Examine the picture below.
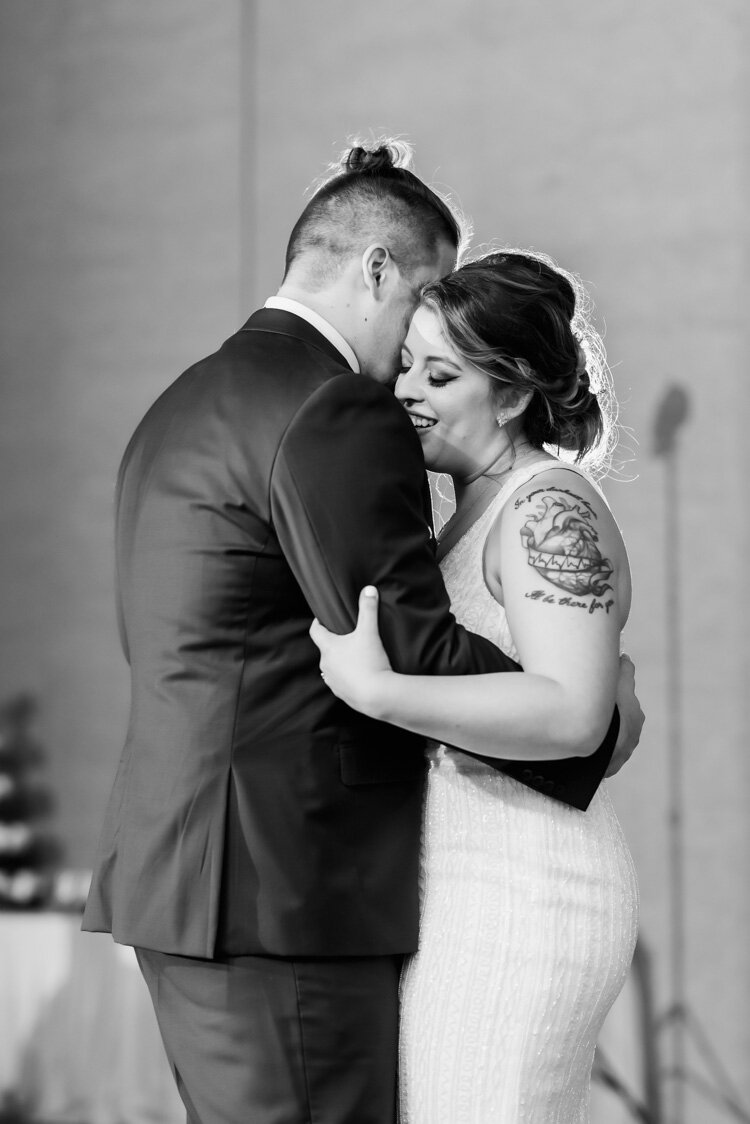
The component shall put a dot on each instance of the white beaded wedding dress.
(529, 916)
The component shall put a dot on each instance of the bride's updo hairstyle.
(525, 323)
(371, 195)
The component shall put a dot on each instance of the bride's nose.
(407, 387)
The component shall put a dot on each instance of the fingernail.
(370, 591)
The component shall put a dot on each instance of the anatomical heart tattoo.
(562, 543)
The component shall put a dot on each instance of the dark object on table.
(27, 852)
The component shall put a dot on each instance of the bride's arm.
(565, 587)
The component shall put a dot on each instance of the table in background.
(78, 1036)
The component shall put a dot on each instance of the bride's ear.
(513, 402)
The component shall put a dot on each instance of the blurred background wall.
(153, 157)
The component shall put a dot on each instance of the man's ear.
(376, 264)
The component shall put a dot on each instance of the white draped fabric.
(78, 1036)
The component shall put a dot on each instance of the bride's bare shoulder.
(556, 496)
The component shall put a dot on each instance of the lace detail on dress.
(472, 603)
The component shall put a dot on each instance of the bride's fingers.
(627, 666)
(367, 621)
(318, 633)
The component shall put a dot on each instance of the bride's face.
(450, 402)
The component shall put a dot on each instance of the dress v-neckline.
(517, 477)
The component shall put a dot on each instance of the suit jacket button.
(527, 774)
(549, 786)
(539, 780)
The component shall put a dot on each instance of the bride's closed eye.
(432, 380)
(439, 380)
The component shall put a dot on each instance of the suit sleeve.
(119, 607)
(346, 501)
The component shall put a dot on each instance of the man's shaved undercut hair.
(372, 196)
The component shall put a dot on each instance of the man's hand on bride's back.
(631, 717)
(355, 666)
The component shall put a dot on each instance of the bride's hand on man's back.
(631, 717)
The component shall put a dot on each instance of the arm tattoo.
(562, 546)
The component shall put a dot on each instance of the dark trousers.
(259, 1040)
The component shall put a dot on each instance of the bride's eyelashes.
(438, 380)
(432, 380)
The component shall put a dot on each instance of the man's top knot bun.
(377, 160)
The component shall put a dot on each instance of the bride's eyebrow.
(444, 360)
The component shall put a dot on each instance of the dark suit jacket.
(252, 812)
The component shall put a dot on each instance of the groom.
(261, 844)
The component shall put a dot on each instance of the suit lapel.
(427, 506)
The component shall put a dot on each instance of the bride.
(529, 906)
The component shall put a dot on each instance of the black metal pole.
(672, 412)
(676, 776)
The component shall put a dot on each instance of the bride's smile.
(419, 421)
(450, 402)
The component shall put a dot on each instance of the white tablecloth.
(78, 1036)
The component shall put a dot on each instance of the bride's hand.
(631, 717)
(355, 667)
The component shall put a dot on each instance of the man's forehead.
(443, 262)
(448, 257)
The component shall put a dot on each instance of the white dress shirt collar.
(286, 304)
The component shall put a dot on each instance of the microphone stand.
(678, 1018)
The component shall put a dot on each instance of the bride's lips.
(420, 422)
